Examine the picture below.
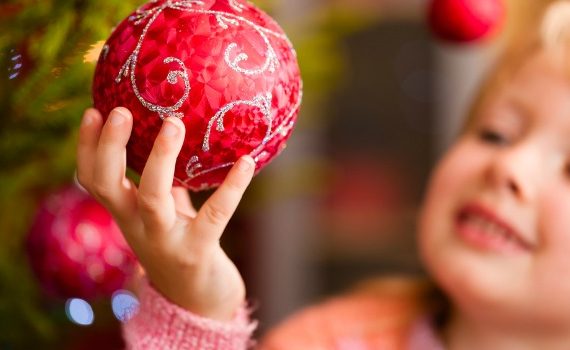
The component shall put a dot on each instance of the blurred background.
(385, 93)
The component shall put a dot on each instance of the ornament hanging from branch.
(75, 248)
(465, 21)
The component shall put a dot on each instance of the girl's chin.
(472, 277)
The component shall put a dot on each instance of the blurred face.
(495, 224)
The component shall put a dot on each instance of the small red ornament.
(224, 67)
(75, 248)
(463, 21)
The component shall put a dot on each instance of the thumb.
(215, 214)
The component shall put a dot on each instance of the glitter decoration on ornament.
(228, 67)
(260, 101)
(236, 5)
(257, 154)
(130, 65)
(194, 164)
(271, 61)
(222, 18)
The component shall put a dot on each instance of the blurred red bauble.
(464, 21)
(224, 67)
(75, 248)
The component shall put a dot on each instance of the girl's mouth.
(481, 228)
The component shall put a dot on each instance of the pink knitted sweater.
(162, 325)
(353, 322)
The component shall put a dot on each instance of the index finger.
(89, 133)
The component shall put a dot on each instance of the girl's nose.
(515, 170)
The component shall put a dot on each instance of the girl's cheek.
(554, 220)
(462, 164)
(442, 189)
(455, 179)
(553, 258)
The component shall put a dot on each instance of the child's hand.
(177, 246)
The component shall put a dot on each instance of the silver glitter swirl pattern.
(194, 165)
(223, 19)
(263, 102)
(236, 6)
(194, 168)
(172, 78)
(271, 61)
(270, 64)
(283, 129)
(257, 154)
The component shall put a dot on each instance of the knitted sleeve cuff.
(160, 324)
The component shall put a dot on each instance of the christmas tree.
(42, 95)
(48, 49)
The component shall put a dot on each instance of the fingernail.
(169, 129)
(118, 117)
(127, 183)
(87, 118)
(245, 163)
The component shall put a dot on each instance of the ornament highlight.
(224, 67)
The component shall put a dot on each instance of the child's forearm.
(163, 325)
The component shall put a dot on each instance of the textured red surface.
(76, 249)
(198, 33)
(465, 20)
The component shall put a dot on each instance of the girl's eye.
(492, 137)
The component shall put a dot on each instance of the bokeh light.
(124, 305)
(15, 64)
(79, 311)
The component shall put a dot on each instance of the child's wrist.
(178, 327)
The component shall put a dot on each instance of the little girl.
(494, 231)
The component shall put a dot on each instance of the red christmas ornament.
(464, 21)
(76, 249)
(224, 67)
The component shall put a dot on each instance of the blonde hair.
(555, 27)
(548, 32)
